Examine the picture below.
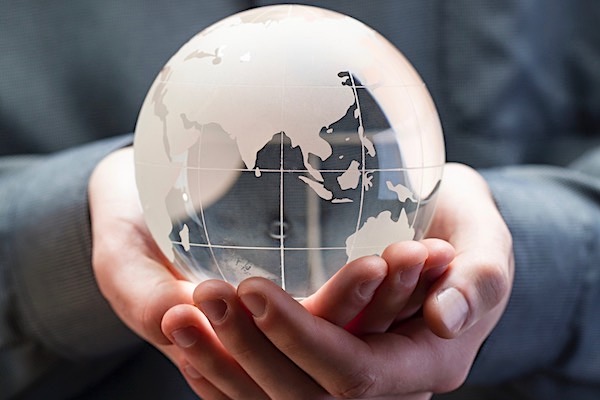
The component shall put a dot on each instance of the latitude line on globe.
(404, 169)
(232, 247)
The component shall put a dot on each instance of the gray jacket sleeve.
(548, 336)
(50, 306)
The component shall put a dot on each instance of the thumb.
(473, 287)
(479, 279)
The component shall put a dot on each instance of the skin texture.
(378, 329)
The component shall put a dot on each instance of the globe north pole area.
(284, 142)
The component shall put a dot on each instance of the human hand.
(236, 360)
(132, 273)
(477, 287)
(137, 280)
(409, 360)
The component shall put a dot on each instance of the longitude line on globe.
(281, 232)
(363, 172)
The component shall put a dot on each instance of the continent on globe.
(283, 142)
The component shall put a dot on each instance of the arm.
(136, 280)
(548, 328)
(551, 322)
(50, 306)
(406, 360)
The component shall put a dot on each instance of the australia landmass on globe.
(239, 131)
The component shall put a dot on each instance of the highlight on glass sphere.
(284, 142)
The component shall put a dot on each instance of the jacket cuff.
(553, 221)
(58, 300)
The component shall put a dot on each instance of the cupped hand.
(479, 282)
(131, 272)
(312, 350)
(141, 285)
(283, 350)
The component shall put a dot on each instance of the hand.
(237, 360)
(409, 360)
(131, 271)
(478, 285)
(140, 284)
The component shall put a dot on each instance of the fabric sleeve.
(550, 329)
(50, 305)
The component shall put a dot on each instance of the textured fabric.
(515, 81)
(551, 328)
(49, 300)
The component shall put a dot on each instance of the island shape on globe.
(283, 142)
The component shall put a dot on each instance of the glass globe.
(284, 142)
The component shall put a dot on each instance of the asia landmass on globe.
(283, 142)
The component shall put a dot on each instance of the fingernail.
(255, 303)
(215, 310)
(367, 288)
(454, 309)
(185, 337)
(409, 276)
(191, 372)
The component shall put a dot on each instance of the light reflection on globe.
(284, 142)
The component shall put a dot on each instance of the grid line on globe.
(284, 142)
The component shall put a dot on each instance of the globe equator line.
(297, 171)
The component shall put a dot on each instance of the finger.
(473, 286)
(277, 375)
(141, 290)
(131, 271)
(343, 296)
(337, 360)
(205, 363)
(480, 277)
(405, 262)
(198, 383)
(348, 292)
(426, 362)
(406, 364)
(439, 255)
(206, 390)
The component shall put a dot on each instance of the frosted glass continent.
(283, 142)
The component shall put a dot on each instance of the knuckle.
(492, 284)
(149, 321)
(356, 385)
(451, 382)
(457, 367)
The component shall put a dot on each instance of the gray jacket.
(517, 84)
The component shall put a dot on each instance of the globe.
(284, 142)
